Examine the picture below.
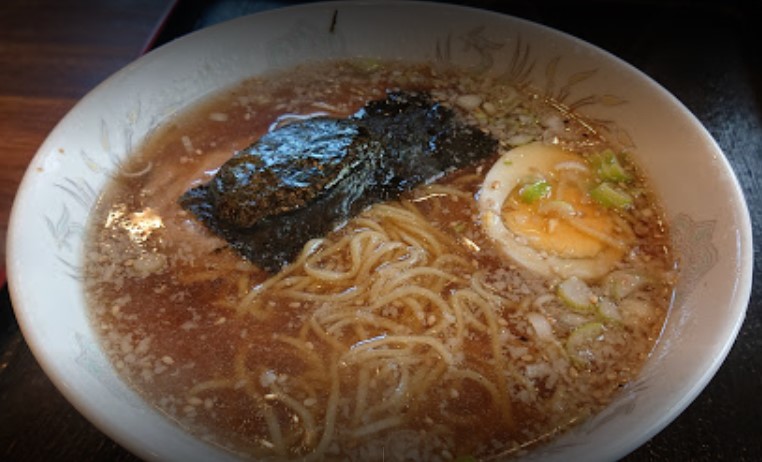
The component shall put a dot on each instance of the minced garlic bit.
(469, 102)
(187, 144)
(218, 117)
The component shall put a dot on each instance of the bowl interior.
(705, 207)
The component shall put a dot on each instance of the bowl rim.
(743, 277)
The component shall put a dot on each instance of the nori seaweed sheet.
(302, 180)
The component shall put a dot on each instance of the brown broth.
(165, 295)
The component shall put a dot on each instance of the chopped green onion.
(459, 227)
(533, 191)
(580, 343)
(608, 310)
(576, 294)
(610, 196)
(366, 64)
(620, 284)
(609, 168)
(481, 116)
(636, 311)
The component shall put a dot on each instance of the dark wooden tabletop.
(706, 53)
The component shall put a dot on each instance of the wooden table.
(51, 54)
(706, 53)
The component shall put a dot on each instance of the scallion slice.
(534, 190)
(608, 310)
(576, 294)
(620, 284)
(581, 342)
(609, 168)
(610, 196)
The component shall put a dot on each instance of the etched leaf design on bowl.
(696, 252)
(558, 85)
(92, 360)
(476, 41)
(611, 100)
(62, 229)
(65, 227)
(307, 39)
(80, 191)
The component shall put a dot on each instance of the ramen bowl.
(709, 221)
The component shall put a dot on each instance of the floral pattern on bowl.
(79, 156)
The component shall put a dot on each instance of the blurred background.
(706, 53)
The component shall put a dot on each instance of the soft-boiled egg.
(548, 210)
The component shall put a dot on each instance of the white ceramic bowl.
(709, 218)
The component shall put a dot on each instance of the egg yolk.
(566, 222)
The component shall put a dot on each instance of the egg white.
(582, 239)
